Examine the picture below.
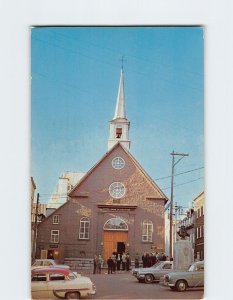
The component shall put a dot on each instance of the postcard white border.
(16, 18)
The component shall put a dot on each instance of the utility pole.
(35, 226)
(171, 203)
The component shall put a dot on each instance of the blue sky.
(75, 77)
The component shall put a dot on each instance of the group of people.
(98, 264)
(115, 262)
(118, 261)
(149, 259)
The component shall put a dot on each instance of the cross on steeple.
(122, 62)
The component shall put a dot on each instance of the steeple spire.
(120, 104)
(119, 126)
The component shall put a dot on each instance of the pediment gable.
(103, 171)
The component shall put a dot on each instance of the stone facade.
(90, 200)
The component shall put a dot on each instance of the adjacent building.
(65, 184)
(115, 206)
(198, 204)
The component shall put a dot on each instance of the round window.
(117, 190)
(118, 163)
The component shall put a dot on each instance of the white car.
(53, 283)
(41, 263)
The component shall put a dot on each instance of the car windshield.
(37, 263)
(159, 263)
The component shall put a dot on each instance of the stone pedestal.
(183, 255)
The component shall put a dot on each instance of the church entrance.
(114, 241)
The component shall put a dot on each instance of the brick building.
(198, 204)
(116, 206)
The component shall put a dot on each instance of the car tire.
(181, 285)
(73, 295)
(148, 278)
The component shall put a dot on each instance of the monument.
(183, 252)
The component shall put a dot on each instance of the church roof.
(149, 179)
(120, 104)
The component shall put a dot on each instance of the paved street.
(125, 286)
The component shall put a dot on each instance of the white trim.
(117, 190)
(148, 227)
(84, 224)
(116, 229)
(54, 237)
(56, 219)
(118, 163)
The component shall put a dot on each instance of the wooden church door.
(110, 240)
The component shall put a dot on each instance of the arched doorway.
(115, 237)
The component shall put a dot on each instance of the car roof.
(44, 259)
(50, 270)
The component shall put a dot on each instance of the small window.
(116, 224)
(84, 228)
(199, 268)
(56, 219)
(117, 190)
(202, 211)
(118, 163)
(54, 236)
(167, 266)
(147, 231)
(197, 232)
(118, 132)
(55, 276)
(39, 277)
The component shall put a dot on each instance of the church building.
(115, 206)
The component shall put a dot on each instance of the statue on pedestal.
(183, 232)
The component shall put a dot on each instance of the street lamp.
(171, 203)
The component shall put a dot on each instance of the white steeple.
(120, 105)
(119, 126)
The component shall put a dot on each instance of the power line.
(183, 183)
(160, 178)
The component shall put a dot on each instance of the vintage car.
(154, 273)
(41, 263)
(180, 281)
(53, 283)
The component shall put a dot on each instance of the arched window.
(116, 224)
(84, 228)
(147, 231)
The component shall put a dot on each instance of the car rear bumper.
(92, 292)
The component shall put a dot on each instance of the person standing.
(123, 261)
(127, 262)
(118, 261)
(95, 261)
(137, 261)
(114, 261)
(99, 264)
(110, 264)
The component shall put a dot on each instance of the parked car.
(180, 281)
(53, 283)
(40, 263)
(154, 273)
